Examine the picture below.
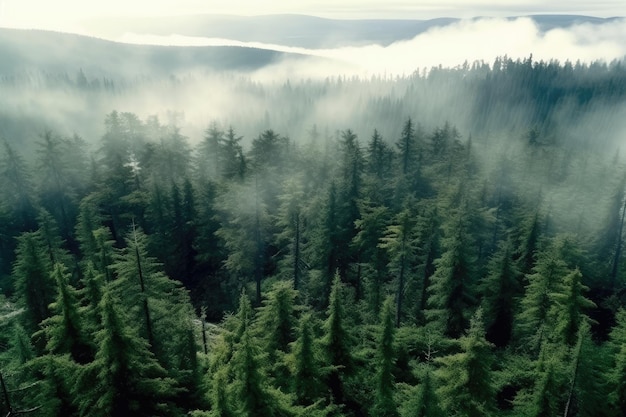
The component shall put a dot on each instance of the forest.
(419, 255)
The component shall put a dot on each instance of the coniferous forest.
(403, 262)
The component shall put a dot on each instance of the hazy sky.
(69, 15)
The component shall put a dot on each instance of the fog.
(449, 46)
(361, 88)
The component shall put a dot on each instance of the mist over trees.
(445, 243)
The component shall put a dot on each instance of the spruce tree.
(499, 290)
(337, 345)
(569, 308)
(466, 386)
(125, 378)
(617, 375)
(533, 320)
(384, 403)
(451, 293)
(306, 363)
(33, 285)
(65, 330)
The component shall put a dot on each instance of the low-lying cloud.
(449, 46)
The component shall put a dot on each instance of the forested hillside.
(451, 245)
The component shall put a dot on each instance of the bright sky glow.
(71, 15)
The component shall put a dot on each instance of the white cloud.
(468, 40)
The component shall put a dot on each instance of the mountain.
(299, 30)
(53, 52)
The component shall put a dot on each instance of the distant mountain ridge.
(301, 30)
(55, 52)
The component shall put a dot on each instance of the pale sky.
(70, 15)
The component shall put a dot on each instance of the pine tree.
(17, 189)
(466, 387)
(125, 378)
(500, 289)
(569, 306)
(371, 229)
(210, 153)
(617, 375)
(33, 284)
(251, 393)
(399, 242)
(291, 221)
(451, 291)
(306, 363)
(89, 219)
(384, 404)
(533, 320)
(337, 345)
(276, 326)
(423, 401)
(65, 330)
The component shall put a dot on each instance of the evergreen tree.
(276, 325)
(54, 187)
(423, 401)
(466, 387)
(371, 230)
(568, 308)
(125, 378)
(210, 153)
(533, 320)
(306, 363)
(384, 404)
(17, 189)
(499, 290)
(451, 291)
(33, 284)
(65, 330)
(235, 163)
(291, 221)
(251, 394)
(337, 345)
(89, 219)
(617, 375)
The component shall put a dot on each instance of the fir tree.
(466, 387)
(499, 289)
(337, 345)
(33, 284)
(306, 363)
(384, 404)
(125, 378)
(65, 330)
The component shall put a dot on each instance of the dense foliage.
(426, 273)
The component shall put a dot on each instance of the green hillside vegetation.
(424, 268)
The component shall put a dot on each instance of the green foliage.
(125, 377)
(93, 325)
(306, 363)
(451, 293)
(65, 330)
(384, 404)
(465, 385)
(499, 290)
(533, 320)
(337, 344)
(569, 307)
(33, 285)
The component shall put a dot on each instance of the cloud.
(449, 46)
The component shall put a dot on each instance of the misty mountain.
(302, 31)
(53, 52)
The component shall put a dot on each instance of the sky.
(71, 15)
